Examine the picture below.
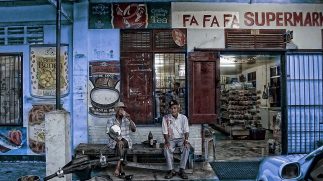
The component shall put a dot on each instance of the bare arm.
(132, 125)
(166, 137)
(186, 136)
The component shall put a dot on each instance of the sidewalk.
(13, 170)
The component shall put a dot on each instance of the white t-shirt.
(175, 127)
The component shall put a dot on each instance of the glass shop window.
(10, 90)
(170, 82)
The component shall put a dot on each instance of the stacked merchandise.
(240, 114)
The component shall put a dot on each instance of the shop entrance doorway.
(249, 123)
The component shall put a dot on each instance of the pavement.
(13, 170)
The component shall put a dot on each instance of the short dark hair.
(172, 103)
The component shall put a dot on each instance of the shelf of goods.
(239, 112)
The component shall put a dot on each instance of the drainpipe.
(58, 55)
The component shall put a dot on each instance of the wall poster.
(43, 71)
(36, 128)
(104, 87)
(13, 141)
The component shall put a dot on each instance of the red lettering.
(279, 19)
(235, 21)
(287, 18)
(315, 18)
(298, 18)
(226, 19)
(270, 16)
(248, 16)
(185, 19)
(308, 20)
(215, 21)
(321, 19)
(262, 19)
(205, 19)
(193, 20)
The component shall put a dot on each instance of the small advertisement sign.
(100, 16)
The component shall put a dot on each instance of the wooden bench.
(138, 151)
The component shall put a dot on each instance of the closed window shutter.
(164, 41)
(136, 41)
(255, 39)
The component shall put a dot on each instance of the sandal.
(122, 175)
(116, 174)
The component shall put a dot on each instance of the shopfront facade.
(110, 60)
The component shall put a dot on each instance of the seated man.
(123, 142)
(176, 131)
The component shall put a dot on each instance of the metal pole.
(58, 55)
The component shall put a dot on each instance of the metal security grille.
(18, 35)
(305, 101)
(254, 38)
(10, 90)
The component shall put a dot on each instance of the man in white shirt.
(176, 131)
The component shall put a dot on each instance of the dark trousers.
(122, 148)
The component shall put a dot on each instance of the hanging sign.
(129, 15)
(159, 15)
(100, 16)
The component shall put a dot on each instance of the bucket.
(29, 178)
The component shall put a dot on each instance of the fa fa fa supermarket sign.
(218, 20)
(205, 19)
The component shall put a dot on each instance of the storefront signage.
(283, 19)
(218, 19)
(159, 15)
(99, 16)
(206, 19)
(129, 15)
(43, 71)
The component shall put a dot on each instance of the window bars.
(10, 90)
(304, 101)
